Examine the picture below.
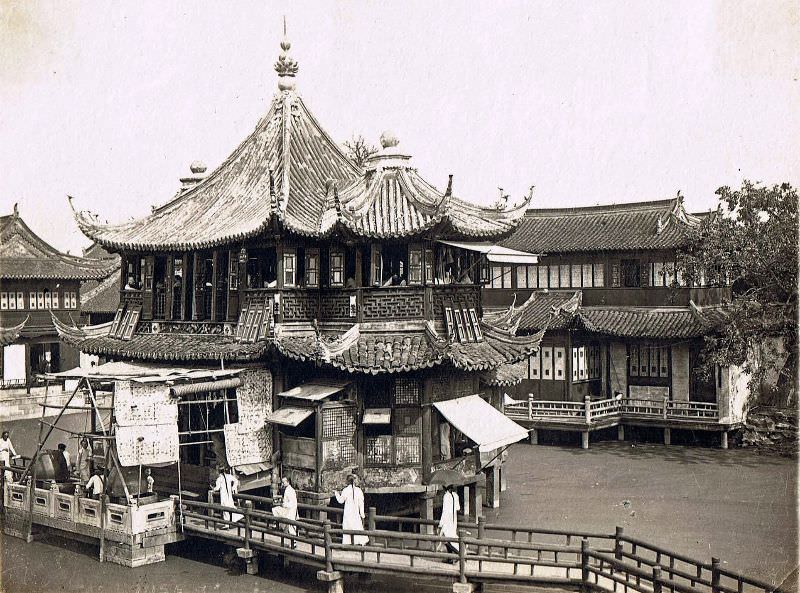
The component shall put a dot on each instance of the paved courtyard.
(735, 504)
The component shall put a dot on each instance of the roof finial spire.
(286, 66)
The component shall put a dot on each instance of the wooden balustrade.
(592, 411)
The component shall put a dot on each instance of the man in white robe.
(227, 485)
(352, 497)
(288, 507)
(448, 522)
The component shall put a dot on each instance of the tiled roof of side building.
(103, 298)
(289, 171)
(662, 224)
(24, 255)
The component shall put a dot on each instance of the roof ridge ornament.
(286, 66)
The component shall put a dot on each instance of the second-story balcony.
(368, 304)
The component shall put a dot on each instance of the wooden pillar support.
(585, 439)
(533, 437)
(477, 498)
(503, 477)
(465, 500)
(667, 436)
(492, 486)
(425, 511)
(724, 439)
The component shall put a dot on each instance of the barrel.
(51, 465)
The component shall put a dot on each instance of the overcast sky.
(591, 102)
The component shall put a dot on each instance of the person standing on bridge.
(6, 453)
(448, 522)
(288, 507)
(227, 485)
(82, 461)
(353, 499)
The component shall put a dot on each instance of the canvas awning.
(377, 416)
(495, 253)
(144, 373)
(315, 390)
(480, 422)
(290, 415)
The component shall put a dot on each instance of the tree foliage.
(751, 242)
(358, 150)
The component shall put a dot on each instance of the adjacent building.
(36, 280)
(620, 321)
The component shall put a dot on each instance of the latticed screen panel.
(406, 421)
(378, 450)
(406, 392)
(338, 453)
(407, 450)
(338, 422)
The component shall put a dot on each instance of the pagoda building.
(350, 296)
(35, 280)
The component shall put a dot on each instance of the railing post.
(618, 543)
(666, 404)
(587, 407)
(326, 529)
(371, 512)
(248, 506)
(462, 558)
(584, 565)
(656, 579)
(715, 575)
(530, 409)
(481, 534)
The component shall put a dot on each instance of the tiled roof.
(8, 335)
(103, 298)
(289, 171)
(24, 255)
(562, 310)
(393, 352)
(506, 375)
(394, 201)
(641, 322)
(543, 310)
(660, 224)
(169, 347)
(282, 169)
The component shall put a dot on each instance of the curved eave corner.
(8, 335)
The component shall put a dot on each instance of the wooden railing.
(590, 411)
(405, 546)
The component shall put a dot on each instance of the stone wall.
(772, 430)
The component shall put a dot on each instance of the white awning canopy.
(144, 373)
(315, 390)
(377, 416)
(480, 422)
(290, 415)
(495, 253)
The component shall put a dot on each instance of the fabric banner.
(158, 444)
(143, 404)
(243, 446)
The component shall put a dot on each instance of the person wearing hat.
(352, 497)
(227, 485)
(95, 485)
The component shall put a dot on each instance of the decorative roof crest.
(286, 66)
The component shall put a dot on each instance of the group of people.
(352, 499)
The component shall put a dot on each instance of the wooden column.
(567, 366)
(359, 276)
(318, 432)
(492, 486)
(427, 439)
(197, 287)
(186, 315)
(214, 280)
(169, 276)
